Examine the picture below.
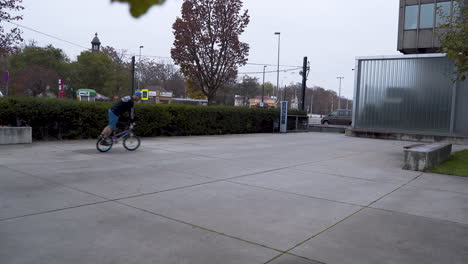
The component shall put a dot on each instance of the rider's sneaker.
(105, 142)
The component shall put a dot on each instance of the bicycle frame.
(122, 134)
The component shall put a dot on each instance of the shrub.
(69, 119)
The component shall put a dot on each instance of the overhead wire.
(151, 56)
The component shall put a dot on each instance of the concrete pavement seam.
(53, 211)
(403, 185)
(296, 194)
(422, 216)
(317, 234)
(346, 218)
(197, 226)
(54, 182)
(344, 176)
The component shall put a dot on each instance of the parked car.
(338, 117)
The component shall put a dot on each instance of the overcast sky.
(331, 33)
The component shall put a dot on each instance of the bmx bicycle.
(130, 142)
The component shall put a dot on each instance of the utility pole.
(339, 94)
(277, 73)
(139, 69)
(263, 85)
(304, 83)
(132, 86)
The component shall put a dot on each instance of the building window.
(411, 17)
(426, 19)
(443, 13)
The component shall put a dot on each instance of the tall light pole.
(139, 68)
(339, 93)
(263, 85)
(277, 73)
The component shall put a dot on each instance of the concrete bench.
(422, 157)
(15, 135)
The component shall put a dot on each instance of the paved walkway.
(300, 198)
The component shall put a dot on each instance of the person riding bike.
(125, 104)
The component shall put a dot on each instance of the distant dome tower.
(96, 44)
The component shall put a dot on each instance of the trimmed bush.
(69, 119)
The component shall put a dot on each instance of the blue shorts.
(113, 119)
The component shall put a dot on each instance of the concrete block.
(427, 156)
(15, 135)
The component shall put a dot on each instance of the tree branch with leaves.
(453, 35)
(8, 39)
(140, 7)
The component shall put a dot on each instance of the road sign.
(145, 94)
(284, 117)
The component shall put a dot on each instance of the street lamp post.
(277, 73)
(339, 93)
(139, 68)
(263, 86)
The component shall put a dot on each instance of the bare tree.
(8, 39)
(207, 46)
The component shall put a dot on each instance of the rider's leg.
(106, 132)
(112, 124)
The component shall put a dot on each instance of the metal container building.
(410, 93)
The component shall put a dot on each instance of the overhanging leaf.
(140, 7)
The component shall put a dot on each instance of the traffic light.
(144, 94)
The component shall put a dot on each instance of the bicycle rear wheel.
(131, 142)
(102, 146)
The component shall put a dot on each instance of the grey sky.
(330, 32)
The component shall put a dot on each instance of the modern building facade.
(419, 22)
(413, 94)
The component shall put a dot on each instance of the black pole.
(263, 85)
(132, 87)
(304, 83)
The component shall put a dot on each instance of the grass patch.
(457, 164)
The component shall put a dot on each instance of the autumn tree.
(33, 69)
(207, 46)
(35, 80)
(453, 35)
(8, 39)
(193, 91)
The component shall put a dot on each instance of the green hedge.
(68, 119)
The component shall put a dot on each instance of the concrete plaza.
(299, 198)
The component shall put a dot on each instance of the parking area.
(265, 198)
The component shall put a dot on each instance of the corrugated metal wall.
(412, 94)
(461, 115)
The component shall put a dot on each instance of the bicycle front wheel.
(131, 142)
(104, 146)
